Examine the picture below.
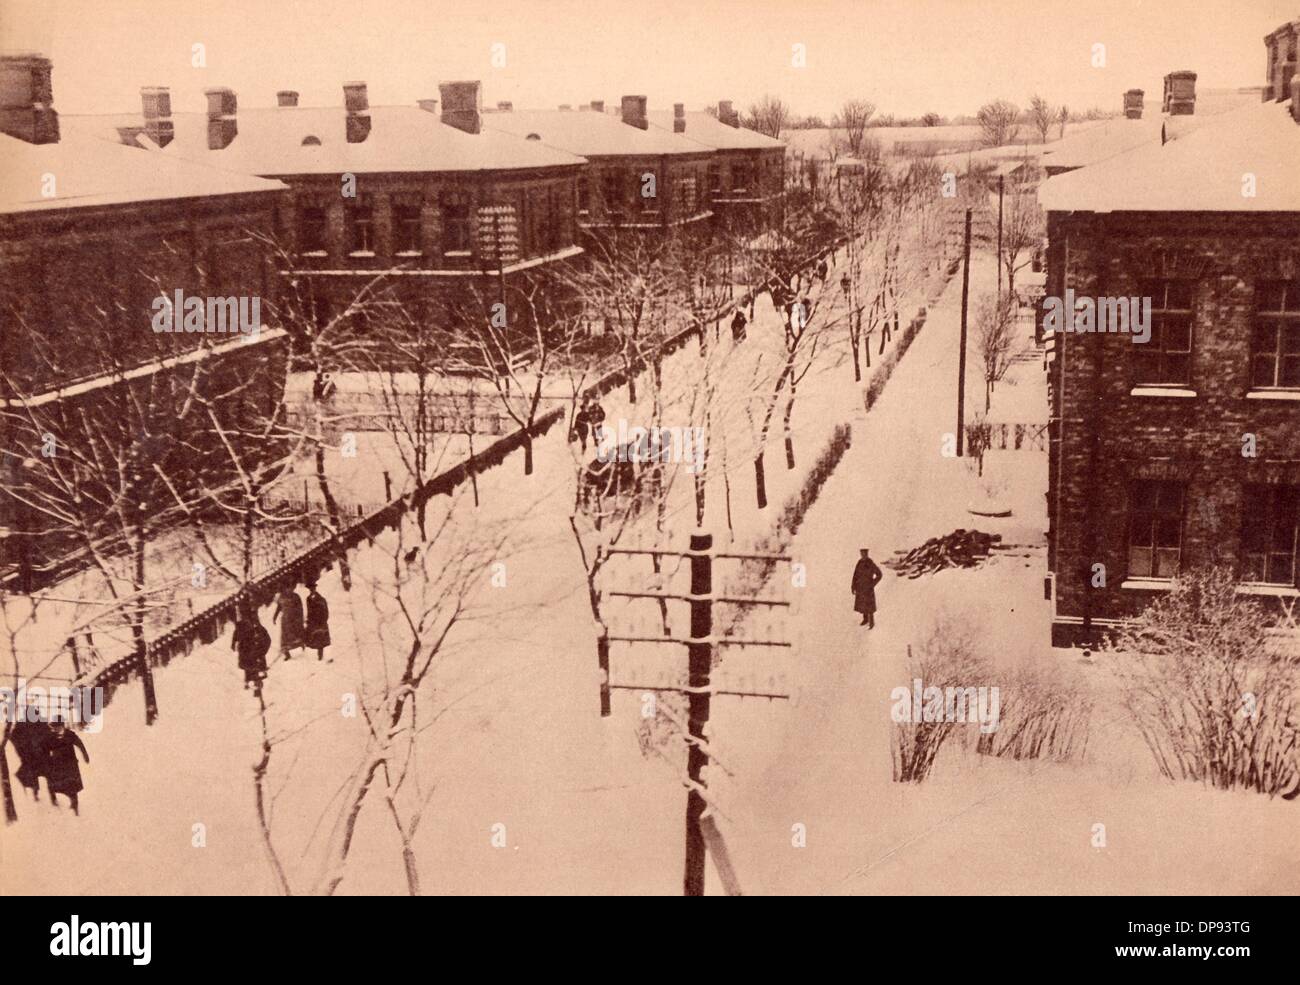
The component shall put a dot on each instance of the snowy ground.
(514, 736)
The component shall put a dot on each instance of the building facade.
(1183, 450)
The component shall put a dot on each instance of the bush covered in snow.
(1212, 696)
(1044, 714)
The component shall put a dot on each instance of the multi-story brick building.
(89, 240)
(637, 176)
(1280, 68)
(1184, 450)
(414, 197)
(746, 172)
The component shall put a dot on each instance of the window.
(360, 226)
(689, 196)
(1270, 528)
(455, 224)
(584, 196)
(407, 227)
(611, 189)
(1155, 528)
(1167, 357)
(740, 176)
(715, 178)
(1275, 352)
(311, 229)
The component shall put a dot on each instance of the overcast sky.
(907, 56)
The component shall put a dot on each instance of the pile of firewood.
(959, 549)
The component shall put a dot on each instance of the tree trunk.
(11, 810)
(332, 511)
(760, 482)
(789, 438)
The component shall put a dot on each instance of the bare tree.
(1062, 120)
(1022, 233)
(854, 117)
(997, 121)
(1042, 115)
(770, 116)
(995, 330)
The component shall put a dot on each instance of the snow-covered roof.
(1120, 135)
(1202, 171)
(270, 141)
(713, 133)
(87, 172)
(591, 134)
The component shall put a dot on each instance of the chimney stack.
(286, 97)
(634, 112)
(598, 105)
(26, 99)
(726, 114)
(428, 105)
(222, 126)
(505, 106)
(565, 107)
(157, 105)
(679, 117)
(1180, 93)
(357, 104)
(1295, 97)
(1133, 104)
(462, 105)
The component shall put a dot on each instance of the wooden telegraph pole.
(1001, 178)
(702, 835)
(701, 660)
(961, 352)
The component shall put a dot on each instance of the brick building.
(637, 176)
(746, 173)
(1185, 450)
(89, 240)
(419, 197)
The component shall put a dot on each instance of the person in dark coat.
(252, 642)
(318, 621)
(866, 576)
(738, 323)
(63, 774)
(596, 418)
(288, 609)
(31, 741)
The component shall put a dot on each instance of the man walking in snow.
(866, 576)
(318, 621)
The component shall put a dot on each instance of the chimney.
(1295, 97)
(26, 98)
(598, 105)
(726, 114)
(565, 107)
(428, 105)
(222, 126)
(1180, 93)
(286, 97)
(505, 106)
(1133, 104)
(157, 104)
(679, 117)
(634, 112)
(357, 104)
(462, 105)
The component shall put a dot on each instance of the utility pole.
(1001, 178)
(701, 663)
(701, 834)
(961, 352)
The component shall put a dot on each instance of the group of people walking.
(301, 627)
(48, 749)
